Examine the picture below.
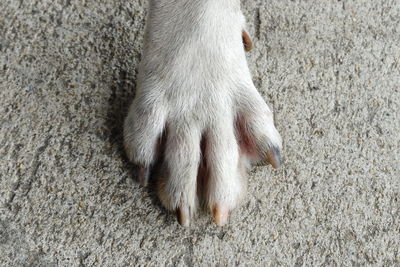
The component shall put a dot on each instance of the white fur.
(193, 82)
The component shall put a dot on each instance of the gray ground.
(331, 72)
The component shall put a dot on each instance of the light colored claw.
(143, 174)
(274, 157)
(183, 216)
(220, 214)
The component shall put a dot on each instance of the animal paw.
(204, 156)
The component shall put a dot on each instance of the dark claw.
(247, 43)
(274, 157)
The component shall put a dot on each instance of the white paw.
(195, 93)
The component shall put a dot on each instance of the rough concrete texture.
(330, 69)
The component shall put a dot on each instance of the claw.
(183, 216)
(248, 44)
(220, 215)
(274, 157)
(143, 174)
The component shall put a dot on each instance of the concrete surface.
(330, 70)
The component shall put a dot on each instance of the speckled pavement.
(329, 69)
